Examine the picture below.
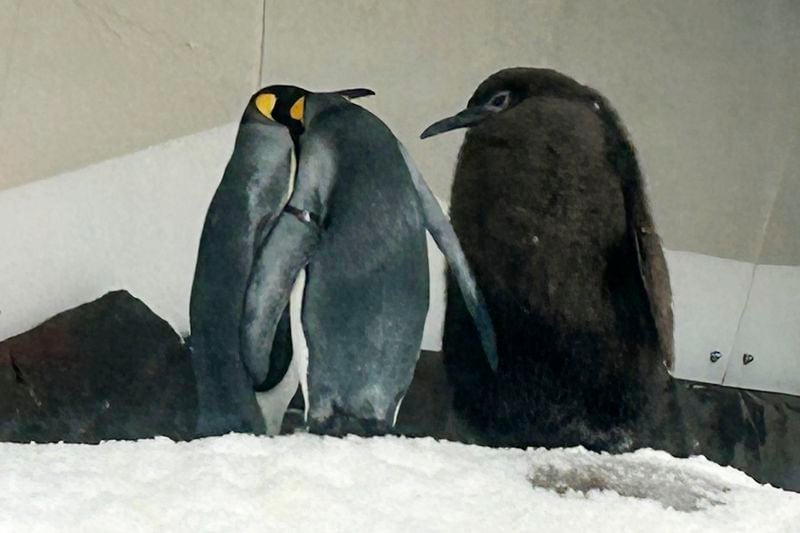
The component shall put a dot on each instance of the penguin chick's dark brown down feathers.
(549, 204)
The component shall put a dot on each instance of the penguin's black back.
(367, 291)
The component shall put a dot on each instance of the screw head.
(715, 356)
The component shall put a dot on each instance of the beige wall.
(782, 235)
(85, 80)
(707, 91)
(707, 88)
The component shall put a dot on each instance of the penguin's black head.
(503, 91)
(285, 104)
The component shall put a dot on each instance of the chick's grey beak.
(354, 93)
(469, 117)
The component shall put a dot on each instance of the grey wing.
(438, 225)
(282, 253)
(652, 267)
(252, 192)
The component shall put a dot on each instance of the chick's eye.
(499, 100)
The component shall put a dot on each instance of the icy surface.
(307, 483)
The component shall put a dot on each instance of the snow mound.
(309, 483)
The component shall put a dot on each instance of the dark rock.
(427, 409)
(756, 432)
(109, 369)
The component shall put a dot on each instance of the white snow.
(309, 483)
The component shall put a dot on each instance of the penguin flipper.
(278, 261)
(438, 225)
(254, 187)
(280, 354)
(651, 264)
(655, 278)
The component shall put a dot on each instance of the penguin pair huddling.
(313, 268)
(549, 205)
(320, 208)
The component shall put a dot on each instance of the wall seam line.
(263, 40)
(757, 260)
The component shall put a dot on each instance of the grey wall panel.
(782, 235)
(767, 351)
(708, 92)
(86, 80)
(707, 89)
(422, 58)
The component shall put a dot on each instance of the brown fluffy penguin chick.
(549, 205)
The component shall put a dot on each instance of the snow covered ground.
(309, 483)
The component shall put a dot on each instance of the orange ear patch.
(296, 112)
(265, 103)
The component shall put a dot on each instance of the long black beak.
(352, 94)
(469, 117)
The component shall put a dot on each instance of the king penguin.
(549, 204)
(313, 267)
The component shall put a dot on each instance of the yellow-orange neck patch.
(265, 103)
(298, 108)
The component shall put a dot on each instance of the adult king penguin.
(549, 204)
(313, 251)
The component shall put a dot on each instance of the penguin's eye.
(500, 101)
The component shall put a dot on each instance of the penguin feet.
(340, 424)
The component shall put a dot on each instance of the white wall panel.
(709, 296)
(769, 333)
